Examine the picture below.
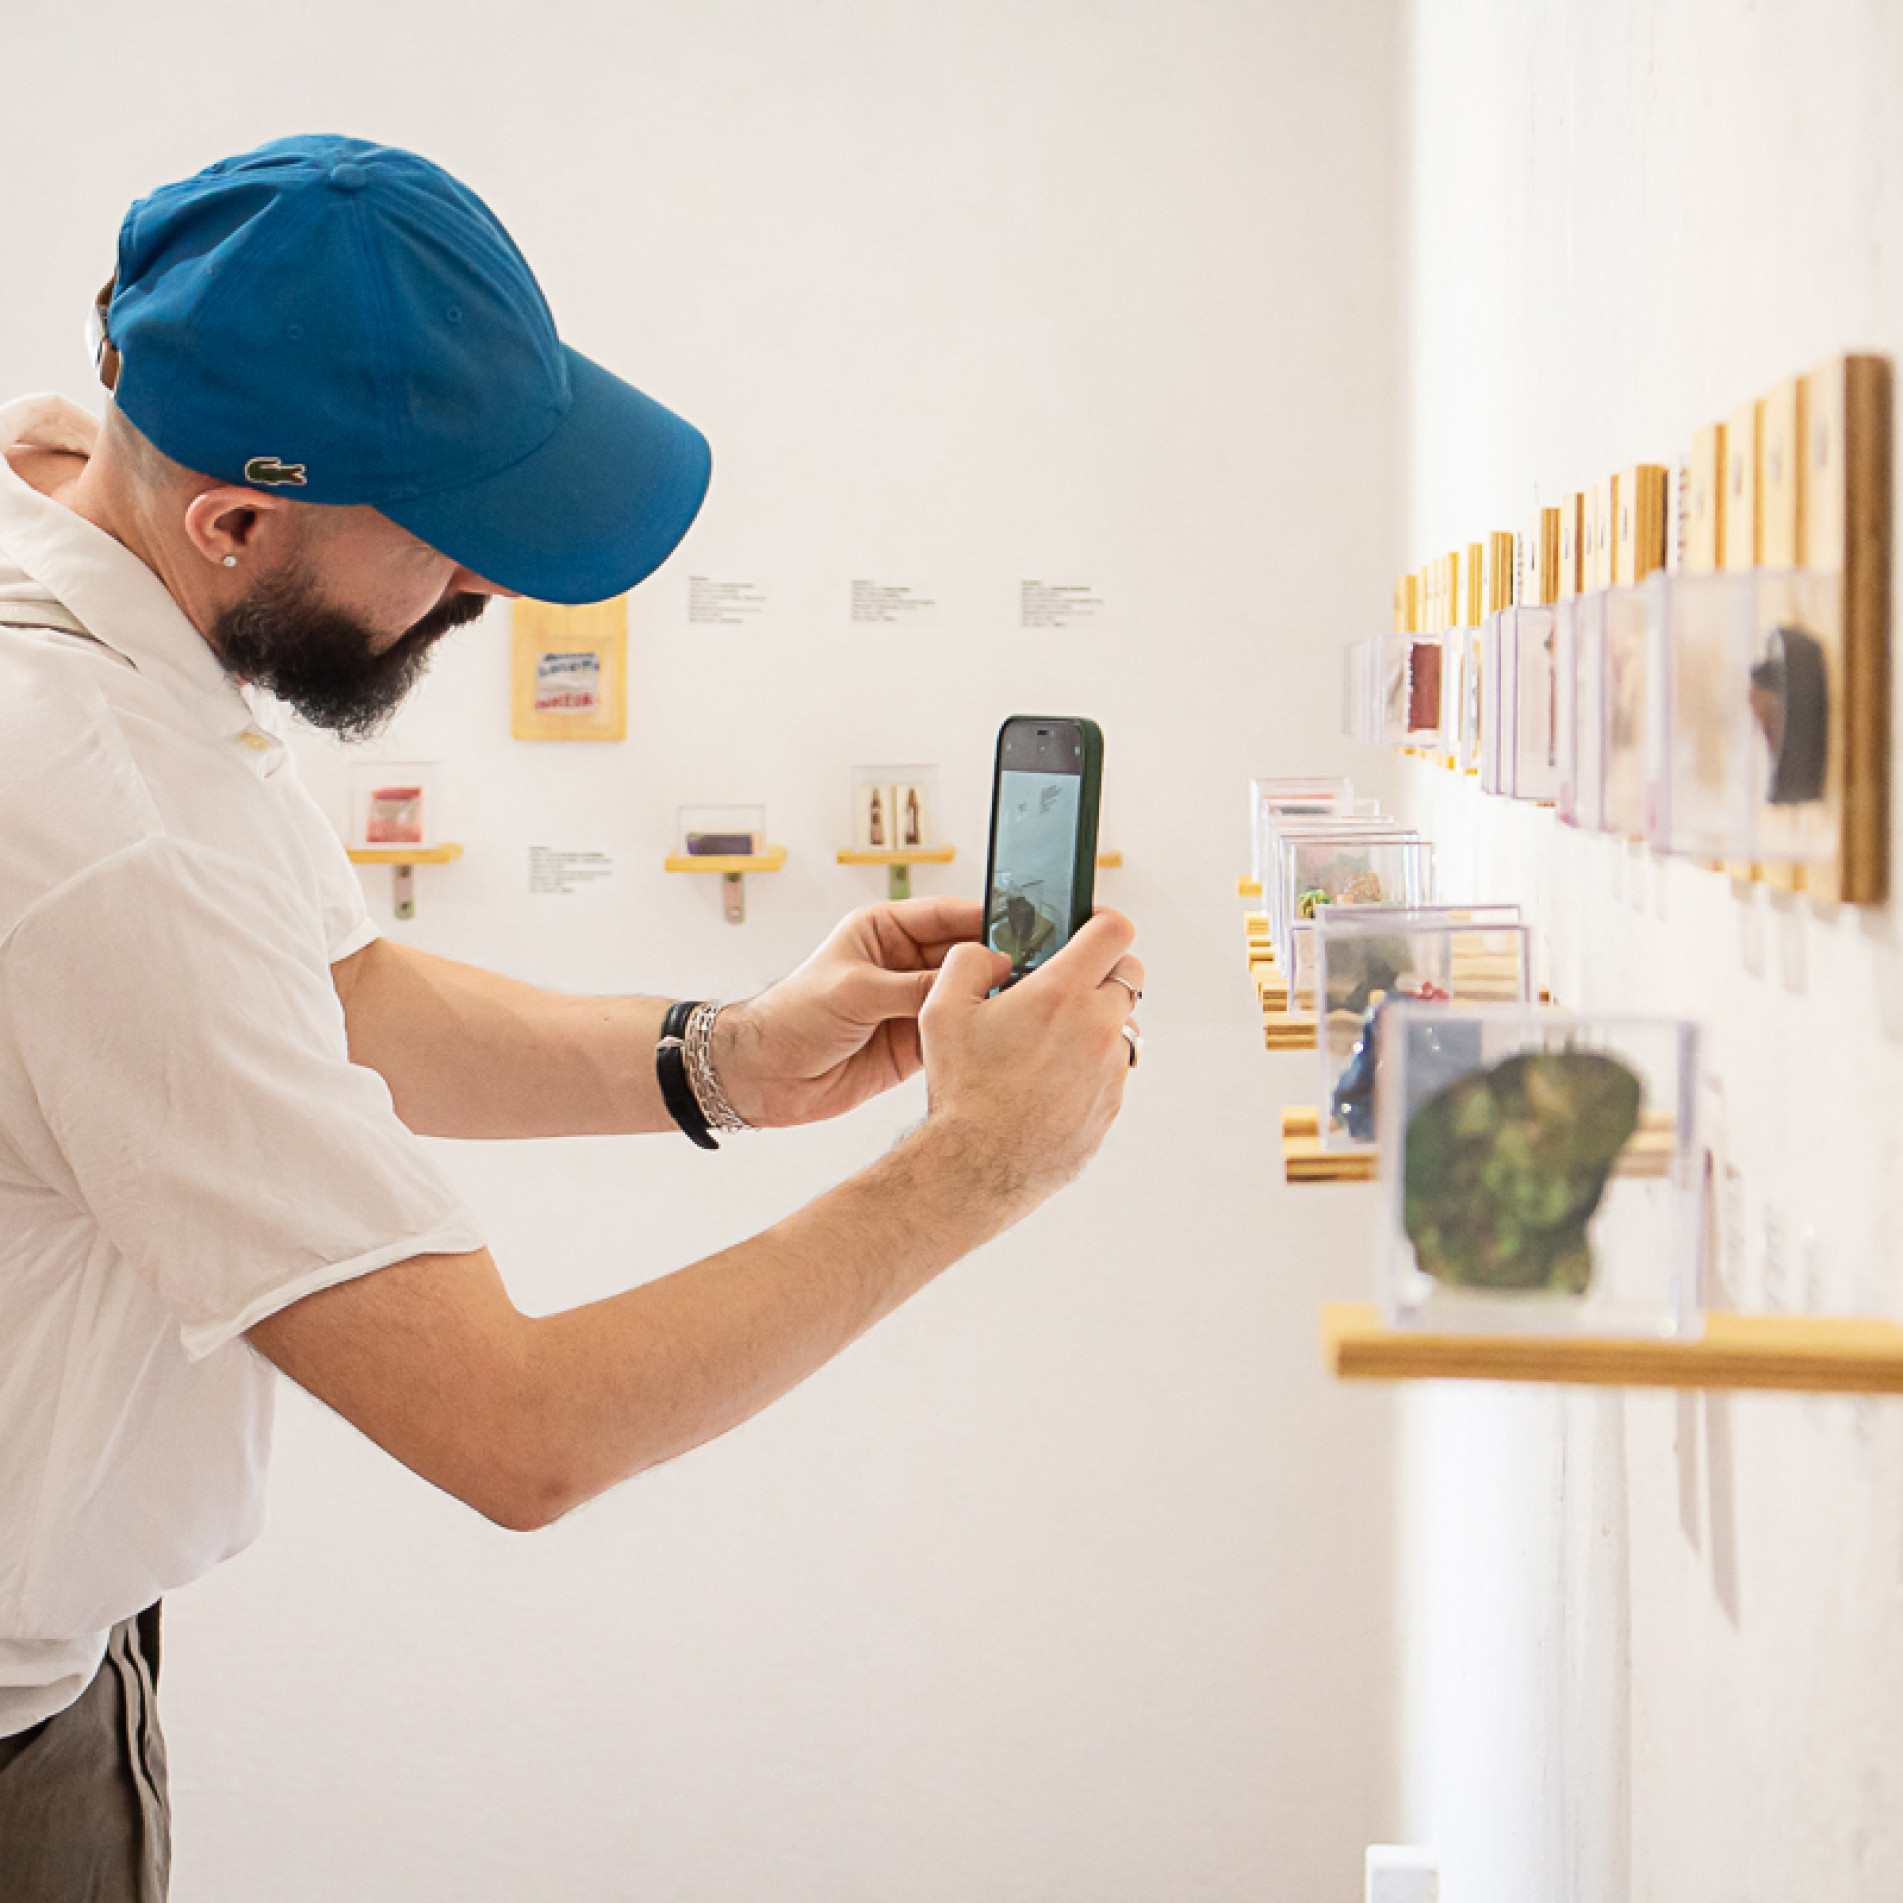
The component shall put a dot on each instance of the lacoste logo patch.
(267, 469)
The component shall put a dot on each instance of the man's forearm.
(641, 1377)
(469, 1054)
(526, 1418)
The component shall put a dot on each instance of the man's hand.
(1024, 1086)
(844, 1026)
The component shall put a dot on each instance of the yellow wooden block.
(771, 860)
(898, 856)
(404, 855)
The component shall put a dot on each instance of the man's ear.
(238, 528)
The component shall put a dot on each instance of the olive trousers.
(84, 1813)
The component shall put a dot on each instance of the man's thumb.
(968, 975)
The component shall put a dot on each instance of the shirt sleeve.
(175, 1016)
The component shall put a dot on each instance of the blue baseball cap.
(344, 322)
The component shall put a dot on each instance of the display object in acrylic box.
(1437, 955)
(1487, 752)
(396, 803)
(1305, 987)
(1351, 869)
(894, 808)
(1282, 829)
(1541, 1171)
(722, 832)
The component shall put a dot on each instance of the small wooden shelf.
(405, 859)
(898, 861)
(899, 856)
(1814, 1354)
(1110, 862)
(1248, 888)
(1305, 1161)
(732, 864)
(404, 855)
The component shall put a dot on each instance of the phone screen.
(1036, 817)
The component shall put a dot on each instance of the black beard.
(320, 661)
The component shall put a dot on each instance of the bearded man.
(341, 418)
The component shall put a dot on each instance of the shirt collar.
(119, 600)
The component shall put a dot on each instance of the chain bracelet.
(699, 1041)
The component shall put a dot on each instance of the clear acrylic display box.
(1466, 747)
(1541, 1171)
(1303, 969)
(1698, 723)
(1363, 961)
(1535, 767)
(1393, 676)
(1627, 614)
(1282, 828)
(1315, 870)
(1583, 642)
(722, 832)
(894, 808)
(1278, 826)
(1495, 696)
(396, 803)
(1282, 795)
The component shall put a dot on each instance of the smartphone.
(1041, 878)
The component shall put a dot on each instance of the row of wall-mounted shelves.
(1778, 1353)
(731, 867)
(1694, 657)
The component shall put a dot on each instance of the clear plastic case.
(396, 803)
(1363, 961)
(1583, 642)
(1494, 697)
(1698, 725)
(1541, 1171)
(1466, 750)
(1626, 613)
(1292, 796)
(1349, 868)
(894, 808)
(1534, 771)
(722, 832)
(1278, 827)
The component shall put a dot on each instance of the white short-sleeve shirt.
(185, 1145)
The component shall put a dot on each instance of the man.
(341, 419)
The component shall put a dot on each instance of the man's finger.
(873, 997)
(933, 925)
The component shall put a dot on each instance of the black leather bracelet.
(670, 1067)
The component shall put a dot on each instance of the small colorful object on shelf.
(1506, 1167)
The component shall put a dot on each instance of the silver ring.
(1136, 997)
(1134, 1038)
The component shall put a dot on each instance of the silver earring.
(231, 561)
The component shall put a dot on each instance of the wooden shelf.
(899, 856)
(1814, 1354)
(1305, 1161)
(1110, 862)
(1248, 888)
(404, 855)
(731, 863)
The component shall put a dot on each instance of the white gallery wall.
(1073, 1580)
(1652, 1646)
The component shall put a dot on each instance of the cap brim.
(600, 506)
